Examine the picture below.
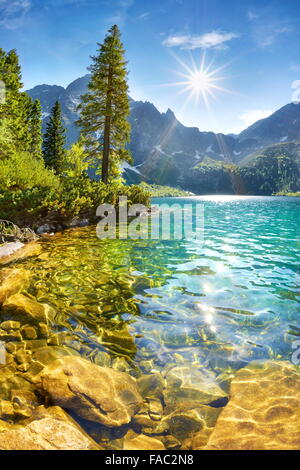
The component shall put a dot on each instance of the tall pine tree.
(35, 129)
(105, 107)
(17, 106)
(54, 151)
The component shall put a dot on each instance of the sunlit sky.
(251, 49)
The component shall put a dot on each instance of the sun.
(200, 81)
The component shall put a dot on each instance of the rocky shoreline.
(52, 398)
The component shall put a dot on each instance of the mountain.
(69, 99)
(281, 126)
(164, 150)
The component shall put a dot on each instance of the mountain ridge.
(162, 147)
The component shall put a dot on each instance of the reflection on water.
(221, 303)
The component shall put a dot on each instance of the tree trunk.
(106, 137)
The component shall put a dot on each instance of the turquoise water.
(234, 297)
(220, 302)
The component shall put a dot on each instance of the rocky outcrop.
(9, 248)
(26, 251)
(95, 393)
(49, 429)
(263, 412)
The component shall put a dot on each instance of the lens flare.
(200, 81)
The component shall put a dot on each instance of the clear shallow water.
(221, 303)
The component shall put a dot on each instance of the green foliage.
(105, 107)
(77, 159)
(16, 108)
(23, 171)
(283, 193)
(163, 191)
(35, 129)
(54, 151)
(7, 141)
(213, 178)
(270, 173)
(73, 197)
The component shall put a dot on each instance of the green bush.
(73, 197)
(24, 171)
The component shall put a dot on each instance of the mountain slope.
(164, 150)
(281, 126)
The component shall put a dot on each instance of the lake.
(222, 302)
(150, 306)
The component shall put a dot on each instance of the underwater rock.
(95, 393)
(12, 281)
(142, 442)
(170, 442)
(119, 341)
(29, 332)
(6, 409)
(142, 422)
(24, 402)
(9, 380)
(49, 429)
(151, 385)
(263, 412)
(22, 308)
(43, 356)
(191, 385)
(183, 422)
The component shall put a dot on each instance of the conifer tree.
(54, 151)
(16, 108)
(105, 107)
(35, 129)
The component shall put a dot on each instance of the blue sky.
(252, 49)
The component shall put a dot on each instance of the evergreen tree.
(105, 107)
(54, 141)
(35, 129)
(16, 108)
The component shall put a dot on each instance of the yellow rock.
(49, 429)
(142, 442)
(183, 422)
(263, 412)
(12, 281)
(20, 307)
(119, 341)
(95, 393)
(191, 384)
(30, 249)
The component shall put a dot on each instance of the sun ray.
(201, 80)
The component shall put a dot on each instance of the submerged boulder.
(142, 442)
(191, 386)
(48, 429)
(12, 281)
(20, 307)
(263, 412)
(95, 393)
